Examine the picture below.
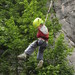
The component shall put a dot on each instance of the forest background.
(17, 32)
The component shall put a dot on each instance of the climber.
(42, 42)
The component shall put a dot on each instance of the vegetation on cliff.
(17, 32)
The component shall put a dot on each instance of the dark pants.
(42, 46)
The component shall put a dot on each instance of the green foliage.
(17, 32)
(55, 62)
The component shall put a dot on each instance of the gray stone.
(65, 11)
(66, 27)
(59, 14)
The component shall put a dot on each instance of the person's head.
(37, 22)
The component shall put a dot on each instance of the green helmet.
(37, 22)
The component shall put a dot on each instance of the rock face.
(65, 11)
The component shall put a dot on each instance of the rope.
(48, 10)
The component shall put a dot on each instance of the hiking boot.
(22, 56)
(40, 64)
